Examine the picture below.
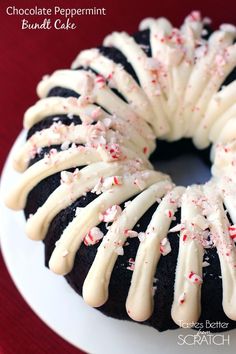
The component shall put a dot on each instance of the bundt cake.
(127, 239)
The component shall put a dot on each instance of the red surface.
(26, 55)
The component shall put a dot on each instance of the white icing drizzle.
(174, 50)
(138, 131)
(90, 135)
(220, 123)
(189, 74)
(139, 303)
(37, 225)
(228, 132)
(59, 105)
(90, 216)
(219, 226)
(51, 164)
(84, 83)
(189, 262)
(209, 72)
(117, 78)
(224, 160)
(177, 97)
(92, 90)
(95, 288)
(218, 104)
(148, 80)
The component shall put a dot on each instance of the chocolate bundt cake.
(127, 239)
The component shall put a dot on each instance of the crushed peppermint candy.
(168, 213)
(141, 184)
(117, 180)
(96, 113)
(111, 214)
(154, 289)
(65, 253)
(93, 236)
(74, 146)
(201, 222)
(232, 232)
(78, 211)
(65, 145)
(194, 16)
(194, 278)
(76, 173)
(98, 188)
(131, 265)
(177, 228)
(165, 246)
(204, 32)
(112, 181)
(131, 233)
(142, 236)
(67, 177)
(105, 184)
(127, 203)
(182, 298)
(114, 151)
(119, 250)
(205, 264)
(34, 150)
(51, 156)
(100, 80)
(107, 122)
(96, 140)
(145, 150)
(70, 116)
(39, 150)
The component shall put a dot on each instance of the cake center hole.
(182, 161)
